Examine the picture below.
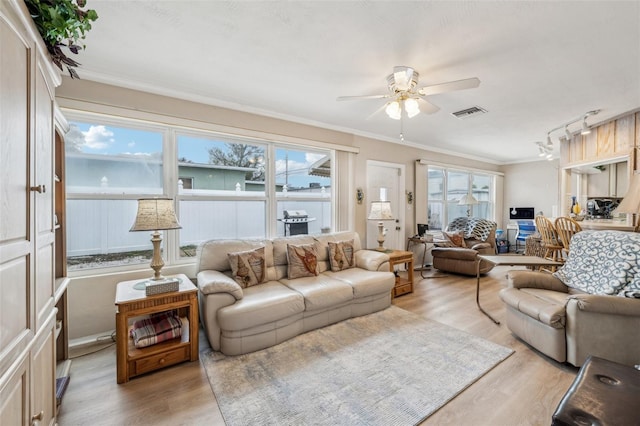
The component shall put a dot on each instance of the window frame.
(445, 202)
(170, 133)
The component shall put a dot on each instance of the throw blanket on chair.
(472, 227)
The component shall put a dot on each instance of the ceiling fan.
(405, 93)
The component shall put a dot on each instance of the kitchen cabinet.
(612, 181)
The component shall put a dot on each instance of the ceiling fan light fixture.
(393, 110)
(412, 107)
(404, 78)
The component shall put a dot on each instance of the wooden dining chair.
(552, 246)
(566, 228)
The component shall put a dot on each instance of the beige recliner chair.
(590, 306)
(479, 237)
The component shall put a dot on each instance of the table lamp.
(380, 210)
(468, 200)
(631, 202)
(155, 214)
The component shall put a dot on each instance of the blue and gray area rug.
(388, 368)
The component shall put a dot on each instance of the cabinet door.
(16, 248)
(44, 236)
(43, 371)
(14, 403)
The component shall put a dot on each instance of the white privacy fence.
(102, 226)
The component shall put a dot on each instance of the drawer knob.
(161, 361)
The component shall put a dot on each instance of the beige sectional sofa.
(262, 301)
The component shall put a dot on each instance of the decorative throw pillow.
(456, 238)
(303, 261)
(247, 267)
(341, 255)
(602, 262)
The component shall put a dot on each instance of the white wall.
(534, 184)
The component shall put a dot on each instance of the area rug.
(388, 368)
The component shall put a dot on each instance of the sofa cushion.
(302, 260)
(248, 267)
(545, 306)
(321, 292)
(365, 283)
(602, 262)
(341, 255)
(261, 304)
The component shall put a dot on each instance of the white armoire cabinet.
(31, 280)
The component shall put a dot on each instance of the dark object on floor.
(603, 393)
(61, 387)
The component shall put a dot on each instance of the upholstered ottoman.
(603, 393)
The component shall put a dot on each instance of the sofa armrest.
(535, 279)
(459, 253)
(480, 246)
(603, 304)
(210, 282)
(372, 260)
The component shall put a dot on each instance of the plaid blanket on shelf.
(155, 329)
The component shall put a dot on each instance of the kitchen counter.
(614, 224)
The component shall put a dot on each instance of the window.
(224, 187)
(447, 186)
(107, 169)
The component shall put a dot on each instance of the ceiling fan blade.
(376, 112)
(468, 83)
(356, 98)
(427, 107)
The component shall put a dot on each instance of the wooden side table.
(403, 285)
(132, 361)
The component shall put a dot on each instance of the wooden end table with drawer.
(403, 285)
(130, 303)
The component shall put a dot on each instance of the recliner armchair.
(590, 306)
(479, 237)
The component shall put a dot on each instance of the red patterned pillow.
(303, 261)
(456, 238)
(247, 267)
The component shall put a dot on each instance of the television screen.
(521, 213)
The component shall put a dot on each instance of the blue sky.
(112, 140)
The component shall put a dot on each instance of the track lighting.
(545, 150)
(567, 133)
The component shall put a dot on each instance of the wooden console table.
(403, 285)
(512, 260)
(130, 302)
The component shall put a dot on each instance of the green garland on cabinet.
(62, 23)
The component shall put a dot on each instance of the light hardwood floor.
(523, 390)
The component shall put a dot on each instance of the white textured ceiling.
(540, 63)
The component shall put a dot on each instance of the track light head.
(567, 133)
(585, 129)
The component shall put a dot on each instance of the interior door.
(385, 182)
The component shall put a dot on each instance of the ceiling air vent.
(469, 112)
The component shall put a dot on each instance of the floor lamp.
(468, 200)
(155, 214)
(380, 211)
(631, 202)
